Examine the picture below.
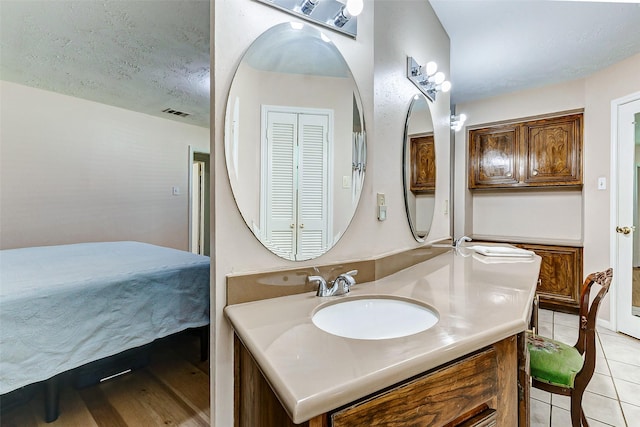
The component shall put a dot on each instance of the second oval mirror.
(294, 141)
(419, 167)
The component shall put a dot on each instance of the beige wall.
(74, 171)
(403, 28)
(545, 215)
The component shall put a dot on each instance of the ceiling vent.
(175, 112)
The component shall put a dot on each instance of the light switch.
(382, 207)
(346, 181)
(602, 183)
(175, 190)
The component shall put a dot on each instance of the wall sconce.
(338, 15)
(458, 121)
(427, 78)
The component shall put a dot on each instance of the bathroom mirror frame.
(294, 73)
(414, 187)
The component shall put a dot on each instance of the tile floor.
(613, 395)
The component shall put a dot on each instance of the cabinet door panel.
(494, 157)
(435, 399)
(552, 151)
(560, 276)
(423, 164)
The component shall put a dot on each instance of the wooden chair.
(561, 369)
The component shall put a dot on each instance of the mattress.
(64, 306)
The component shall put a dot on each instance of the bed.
(64, 306)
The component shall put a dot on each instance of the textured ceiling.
(502, 46)
(149, 55)
(144, 56)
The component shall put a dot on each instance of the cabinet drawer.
(468, 386)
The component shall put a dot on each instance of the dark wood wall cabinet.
(560, 276)
(423, 164)
(528, 154)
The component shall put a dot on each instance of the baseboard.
(605, 324)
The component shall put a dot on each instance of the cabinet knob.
(292, 225)
(535, 172)
(301, 225)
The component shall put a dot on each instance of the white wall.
(75, 171)
(403, 27)
(549, 214)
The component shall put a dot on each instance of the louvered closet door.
(280, 198)
(313, 185)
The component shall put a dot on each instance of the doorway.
(199, 186)
(626, 162)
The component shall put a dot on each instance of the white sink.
(375, 318)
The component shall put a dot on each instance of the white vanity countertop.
(480, 300)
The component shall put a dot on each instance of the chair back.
(586, 343)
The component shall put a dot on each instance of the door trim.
(613, 218)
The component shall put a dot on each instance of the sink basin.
(375, 318)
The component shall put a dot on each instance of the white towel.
(502, 251)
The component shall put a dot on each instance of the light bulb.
(431, 67)
(354, 7)
(446, 86)
(463, 117)
(307, 6)
(438, 78)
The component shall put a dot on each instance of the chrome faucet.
(340, 286)
(457, 243)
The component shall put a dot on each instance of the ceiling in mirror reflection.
(310, 56)
(294, 141)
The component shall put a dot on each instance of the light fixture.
(350, 9)
(307, 6)
(338, 15)
(458, 121)
(427, 78)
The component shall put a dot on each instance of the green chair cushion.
(552, 361)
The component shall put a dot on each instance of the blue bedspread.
(64, 306)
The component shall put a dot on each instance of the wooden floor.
(173, 390)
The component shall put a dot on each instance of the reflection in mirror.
(295, 141)
(419, 167)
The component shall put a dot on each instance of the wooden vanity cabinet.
(481, 389)
(529, 154)
(560, 276)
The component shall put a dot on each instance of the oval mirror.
(419, 167)
(295, 141)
